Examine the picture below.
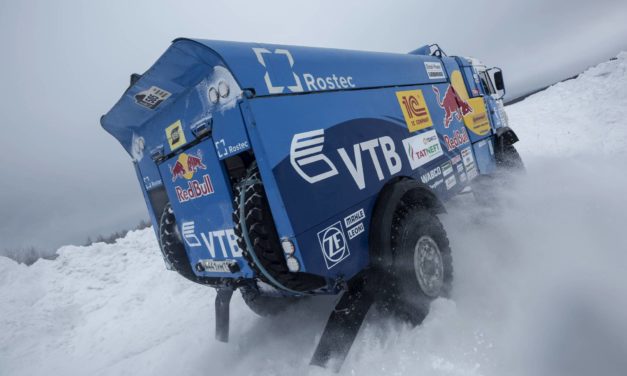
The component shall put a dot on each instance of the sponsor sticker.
(467, 157)
(186, 166)
(174, 134)
(460, 137)
(352, 232)
(456, 159)
(333, 244)
(225, 150)
(462, 177)
(354, 218)
(195, 189)
(219, 243)
(447, 168)
(450, 182)
(434, 70)
(436, 183)
(427, 177)
(152, 97)
(414, 109)
(477, 119)
(452, 104)
(294, 84)
(422, 148)
(460, 168)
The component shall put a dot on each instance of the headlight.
(292, 264)
(288, 246)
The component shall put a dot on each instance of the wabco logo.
(333, 244)
(306, 150)
(275, 85)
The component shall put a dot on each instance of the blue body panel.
(328, 129)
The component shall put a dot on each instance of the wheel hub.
(428, 266)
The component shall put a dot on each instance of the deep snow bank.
(540, 285)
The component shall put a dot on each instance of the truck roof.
(264, 69)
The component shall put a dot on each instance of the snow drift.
(540, 286)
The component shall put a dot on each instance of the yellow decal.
(414, 109)
(476, 121)
(174, 134)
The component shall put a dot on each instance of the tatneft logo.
(333, 244)
(422, 148)
(306, 151)
(312, 82)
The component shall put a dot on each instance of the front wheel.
(423, 265)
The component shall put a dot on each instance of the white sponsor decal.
(450, 182)
(189, 234)
(436, 183)
(152, 97)
(306, 149)
(225, 150)
(460, 168)
(434, 70)
(447, 168)
(354, 218)
(422, 148)
(352, 232)
(467, 157)
(427, 177)
(313, 83)
(218, 266)
(222, 241)
(462, 177)
(333, 244)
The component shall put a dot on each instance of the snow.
(539, 289)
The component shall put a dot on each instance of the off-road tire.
(509, 160)
(263, 236)
(172, 247)
(263, 305)
(404, 295)
(508, 164)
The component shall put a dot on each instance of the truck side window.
(485, 82)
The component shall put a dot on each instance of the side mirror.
(496, 76)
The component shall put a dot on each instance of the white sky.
(65, 63)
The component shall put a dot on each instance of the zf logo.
(280, 56)
(333, 244)
(306, 150)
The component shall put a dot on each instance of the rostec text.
(327, 83)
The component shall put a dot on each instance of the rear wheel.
(172, 245)
(423, 266)
(263, 236)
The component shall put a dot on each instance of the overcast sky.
(65, 63)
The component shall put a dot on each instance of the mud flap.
(223, 301)
(343, 325)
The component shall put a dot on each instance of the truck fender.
(392, 196)
(505, 136)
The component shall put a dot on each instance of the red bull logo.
(452, 104)
(186, 166)
(195, 189)
(458, 139)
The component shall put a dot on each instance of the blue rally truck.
(287, 171)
